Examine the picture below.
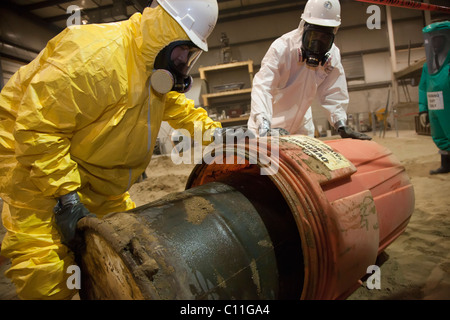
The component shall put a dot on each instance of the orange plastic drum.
(349, 198)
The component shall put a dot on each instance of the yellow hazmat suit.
(81, 116)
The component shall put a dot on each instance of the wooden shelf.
(228, 87)
(207, 97)
(234, 121)
(219, 67)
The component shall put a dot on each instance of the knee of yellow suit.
(39, 261)
(44, 276)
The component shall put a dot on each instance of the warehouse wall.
(250, 39)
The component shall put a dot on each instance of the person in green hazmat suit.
(78, 127)
(434, 89)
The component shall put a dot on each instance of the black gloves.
(68, 211)
(347, 132)
(238, 132)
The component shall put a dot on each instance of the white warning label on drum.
(320, 151)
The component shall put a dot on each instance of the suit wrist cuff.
(70, 198)
(338, 124)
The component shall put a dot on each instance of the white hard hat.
(197, 18)
(325, 13)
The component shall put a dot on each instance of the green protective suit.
(434, 87)
(81, 116)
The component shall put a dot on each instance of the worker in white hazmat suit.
(78, 127)
(299, 66)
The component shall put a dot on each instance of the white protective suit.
(285, 87)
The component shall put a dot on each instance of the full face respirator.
(437, 47)
(172, 66)
(316, 42)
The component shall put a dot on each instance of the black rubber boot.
(445, 165)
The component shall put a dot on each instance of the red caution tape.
(410, 5)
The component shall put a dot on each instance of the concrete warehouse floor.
(418, 264)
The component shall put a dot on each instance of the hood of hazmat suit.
(437, 45)
(81, 116)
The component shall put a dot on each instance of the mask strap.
(325, 58)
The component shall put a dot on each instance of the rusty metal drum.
(207, 242)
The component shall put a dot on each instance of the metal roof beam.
(19, 10)
(44, 4)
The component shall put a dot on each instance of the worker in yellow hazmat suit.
(78, 126)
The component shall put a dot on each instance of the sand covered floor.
(418, 262)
